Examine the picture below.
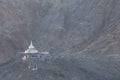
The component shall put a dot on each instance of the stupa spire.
(31, 45)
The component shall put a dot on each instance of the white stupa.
(32, 56)
(31, 49)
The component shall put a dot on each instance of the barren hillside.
(81, 35)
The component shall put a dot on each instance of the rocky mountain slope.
(81, 35)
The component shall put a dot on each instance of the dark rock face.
(83, 33)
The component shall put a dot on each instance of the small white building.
(32, 56)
